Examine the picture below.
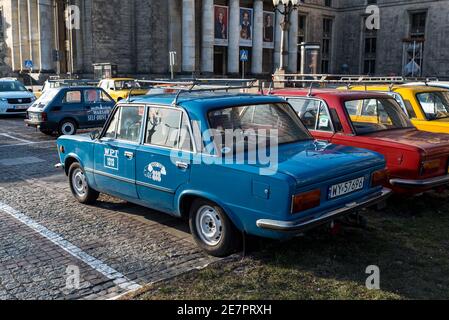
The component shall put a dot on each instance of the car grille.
(15, 111)
(19, 101)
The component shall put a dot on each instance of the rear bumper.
(424, 184)
(304, 224)
(40, 124)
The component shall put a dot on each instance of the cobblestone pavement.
(45, 235)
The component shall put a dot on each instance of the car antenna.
(129, 95)
(310, 90)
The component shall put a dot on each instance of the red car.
(417, 160)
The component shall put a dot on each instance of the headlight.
(305, 201)
(3, 99)
(430, 166)
(379, 178)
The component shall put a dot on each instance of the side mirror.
(94, 134)
(30, 90)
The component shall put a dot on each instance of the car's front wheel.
(212, 230)
(67, 127)
(79, 186)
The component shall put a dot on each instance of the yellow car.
(427, 107)
(119, 88)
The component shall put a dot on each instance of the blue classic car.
(67, 109)
(204, 157)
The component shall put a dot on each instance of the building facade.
(208, 36)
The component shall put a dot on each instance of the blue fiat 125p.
(205, 157)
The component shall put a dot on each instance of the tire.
(79, 186)
(67, 127)
(212, 230)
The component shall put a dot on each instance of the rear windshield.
(374, 115)
(46, 97)
(8, 86)
(434, 104)
(257, 123)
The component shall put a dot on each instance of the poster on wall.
(221, 16)
(246, 27)
(268, 30)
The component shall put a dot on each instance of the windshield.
(126, 85)
(434, 104)
(8, 86)
(374, 115)
(255, 124)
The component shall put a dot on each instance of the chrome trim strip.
(152, 186)
(301, 225)
(139, 183)
(426, 183)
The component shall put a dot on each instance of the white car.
(14, 97)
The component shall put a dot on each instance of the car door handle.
(129, 155)
(182, 165)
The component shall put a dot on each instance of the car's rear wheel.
(212, 230)
(79, 186)
(67, 127)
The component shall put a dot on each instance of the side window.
(163, 127)
(92, 96)
(111, 131)
(72, 96)
(410, 110)
(185, 141)
(130, 123)
(324, 119)
(307, 110)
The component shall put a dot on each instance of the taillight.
(44, 116)
(379, 177)
(305, 201)
(430, 166)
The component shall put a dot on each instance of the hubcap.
(79, 182)
(68, 128)
(209, 225)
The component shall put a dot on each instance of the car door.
(115, 153)
(163, 160)
(315, 116)
(73, 106)
(98, 105)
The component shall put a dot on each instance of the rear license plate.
(347, 187)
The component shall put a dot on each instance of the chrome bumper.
(303, 224)
(427, 183)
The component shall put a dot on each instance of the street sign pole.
(172, 63)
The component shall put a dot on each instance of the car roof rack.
(193, 85)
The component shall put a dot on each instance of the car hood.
(16, 94)
(430, 143)
(312, 162)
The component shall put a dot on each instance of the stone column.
(175, 31)
(277, 39)
(257, 52)
(234, 36)
(188, 35)
(293, 43)
(207, 46)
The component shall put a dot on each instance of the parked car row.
(310, 157)
(338, 152)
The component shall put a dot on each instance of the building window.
(328, 3)
(369, 50)
(301, 28)
(326, 45)
(418, 24)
